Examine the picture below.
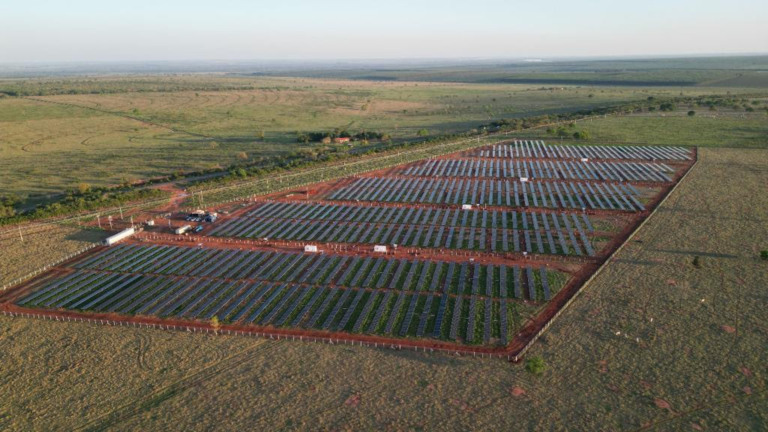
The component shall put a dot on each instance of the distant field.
(163, 125)
(705, 129)
(653, 343)
(746, 71)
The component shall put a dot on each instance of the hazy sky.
(81, 30)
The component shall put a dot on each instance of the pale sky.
(105, 30)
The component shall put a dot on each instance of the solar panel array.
(483, 230)
(340, 293)
(526, 197)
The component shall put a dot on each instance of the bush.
(764, 255)
(667, 106)
(696, 262)
(535, 365)
(691, 113)
(581, 135)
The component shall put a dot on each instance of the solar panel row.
(540, 169)
(549, 194)
(539, 149)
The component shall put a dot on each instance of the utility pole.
(20, 235)
(98, 220)
(121, 212)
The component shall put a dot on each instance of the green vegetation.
(535, 365)
(723, 128)
(106, 131)
(764, 255)
(82, 200)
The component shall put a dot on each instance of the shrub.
(696, 262)
(581, 135)
(535, 365)
(764, 255)
(667, 106)
(691, 113)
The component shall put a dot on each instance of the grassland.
(41, 246)
(113, 130)
(705, 129)
(689, 353)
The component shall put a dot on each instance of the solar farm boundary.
(374, 342)
(519, 354)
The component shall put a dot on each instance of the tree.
(83, 188)
(422, 132)
(242, 155)
(535, 365)
(215, 323)
(697, 262)
(691, 113)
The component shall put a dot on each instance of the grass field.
(705, 129)
(41, 246)
(699, 362)
(52, 142)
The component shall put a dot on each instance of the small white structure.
(109, 241)
(380, 248)
(151, 222)
(310, 248)
(585, 159)
(466, 206)
(523, 179)
(182, 230)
